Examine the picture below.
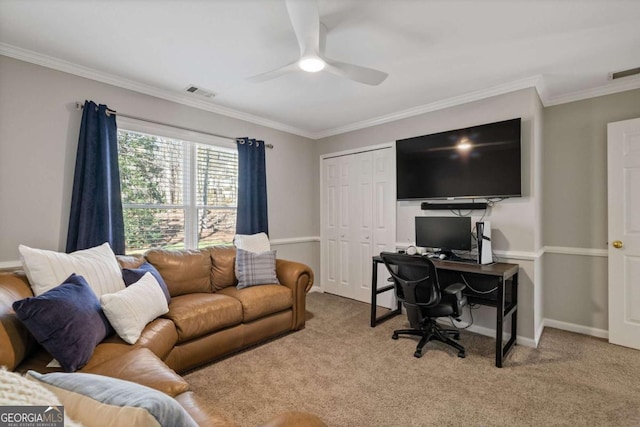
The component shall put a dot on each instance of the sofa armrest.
(299, 278)
(16, 342)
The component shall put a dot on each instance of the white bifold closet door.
(358, 221)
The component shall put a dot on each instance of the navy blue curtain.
(96, 206)
(252, 187)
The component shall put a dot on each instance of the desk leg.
(514, 316)
(374, 293)
(499, 322)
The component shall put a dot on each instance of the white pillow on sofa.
(47, 269)
(256, 243)
(131, 309)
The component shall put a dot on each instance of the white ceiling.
(436, 52)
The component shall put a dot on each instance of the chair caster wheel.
(417, 354)
(462, 354)
(394, 336)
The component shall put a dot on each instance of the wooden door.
(624, 232)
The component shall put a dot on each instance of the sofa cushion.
(185, 271)
(159, 336)
(66, 320)
(89, 397)
(199, 314)
(130, 261)
(143, 367)
(223, 259)
(260, 301)
(204, 413)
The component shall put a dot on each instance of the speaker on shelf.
(483, 231)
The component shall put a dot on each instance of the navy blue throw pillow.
(132, 275)
(67, 321)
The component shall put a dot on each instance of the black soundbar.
(448, 206)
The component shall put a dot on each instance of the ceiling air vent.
(199, 91)
(624, 73)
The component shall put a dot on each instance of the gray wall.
(39, 128)
(516, 222)
(575, 207)
(564, 180)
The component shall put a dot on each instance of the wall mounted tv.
(476, 162)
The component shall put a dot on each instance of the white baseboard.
(539, 332)
(580, 329)
(490, 332)
(316, 288)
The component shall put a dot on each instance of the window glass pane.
(146, 228)
(217, 176)
(162, 196)
(216, 226)
(151, 169)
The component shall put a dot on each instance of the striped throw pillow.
(47, 269)
(254, 269)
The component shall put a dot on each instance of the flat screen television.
(476, 162)
(444, 233)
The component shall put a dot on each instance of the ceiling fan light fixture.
(311, 64)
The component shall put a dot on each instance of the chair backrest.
(415, 278)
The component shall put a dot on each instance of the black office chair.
(416, 285)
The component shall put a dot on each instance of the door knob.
(617, 244)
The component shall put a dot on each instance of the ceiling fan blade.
(305, 19)
(360, 74)
(293, 66)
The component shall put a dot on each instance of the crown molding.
(537, 82)
(103, 77)
(525, 83)
(623, 85)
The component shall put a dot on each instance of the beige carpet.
(353, 375)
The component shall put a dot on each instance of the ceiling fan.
(311, 35)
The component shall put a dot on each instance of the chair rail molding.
(567, 250)
(531, 256)
(294, 240)
(10, 265)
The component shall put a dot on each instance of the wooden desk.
(505, 299)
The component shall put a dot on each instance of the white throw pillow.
(131, 309)
(256, 243)
(47, 269)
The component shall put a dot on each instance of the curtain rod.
(80, 106)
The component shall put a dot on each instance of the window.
(176, 192)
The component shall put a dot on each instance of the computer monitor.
(444, 233)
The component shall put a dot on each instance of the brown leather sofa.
(208, 318)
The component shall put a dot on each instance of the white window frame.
(189, 204)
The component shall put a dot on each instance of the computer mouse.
(442, 256)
